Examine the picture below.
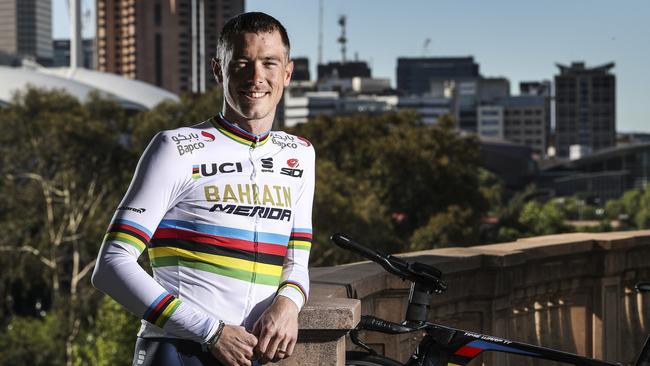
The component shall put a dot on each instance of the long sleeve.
(295, 275)
(156, 186)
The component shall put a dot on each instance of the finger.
(272, 347)
(244, 362)
(282, 348)
(263, 341)
(291, 346)
(257, 327)
(251, 340)
(281, 353)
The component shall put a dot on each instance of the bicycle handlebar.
(414, 272)
(372, 323)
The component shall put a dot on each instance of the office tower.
(585, 108)
(539, 88)
(455, 77)
(62, 53)
(418, 76)
(343, 70)
(300, 69)
(168, 43)
(526, 120)
(26, 29)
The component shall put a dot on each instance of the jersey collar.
(238, 134)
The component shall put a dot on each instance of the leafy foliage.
(33, 341)
(382, 179)
(110, 340)
(64, 166)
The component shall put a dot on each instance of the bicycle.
(444, 345)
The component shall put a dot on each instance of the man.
(224, 208)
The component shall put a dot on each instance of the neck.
(252, 126)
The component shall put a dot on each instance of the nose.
(257, 73)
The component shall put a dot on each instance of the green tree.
(33, 341)
(110, 339)
(380, 178)
(543, 219)
(64, 166)
(61, 163)
(452, 227)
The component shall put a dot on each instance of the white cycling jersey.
(226, 217)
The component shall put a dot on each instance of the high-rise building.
(343, 70)
(300, 69)
(62, 53)
(455, 77)
(527, 120)
(26, 29)
(165, 43)
(585, 107)
(417, 76)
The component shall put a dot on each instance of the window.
(157, 11)
(159, 58)
(489, 122)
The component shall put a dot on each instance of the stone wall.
(570, 291)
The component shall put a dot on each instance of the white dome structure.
(79, 82)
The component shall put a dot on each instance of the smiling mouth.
(254, 95)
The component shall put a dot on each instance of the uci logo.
(207, 170)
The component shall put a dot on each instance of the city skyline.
(518, 41)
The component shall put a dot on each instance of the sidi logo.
(291, 171)
(293, 163)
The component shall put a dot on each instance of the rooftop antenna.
(320, 32)
(342, 40)
(425, 47)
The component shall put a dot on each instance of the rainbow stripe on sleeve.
(161, 309)
(294, 285)
(300, 239)
(128, 232)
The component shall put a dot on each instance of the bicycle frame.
(448, 346)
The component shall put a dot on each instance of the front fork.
(429, 353)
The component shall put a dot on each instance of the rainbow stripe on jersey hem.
(300, 239)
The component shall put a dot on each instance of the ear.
(288, 70)
(217, 71)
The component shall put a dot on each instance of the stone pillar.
(323, 323)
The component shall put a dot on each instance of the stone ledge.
(323, 324)
(330, 314)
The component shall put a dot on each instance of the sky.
(518, 39)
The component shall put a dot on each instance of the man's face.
(254, 74)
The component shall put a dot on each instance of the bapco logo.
(209, 137)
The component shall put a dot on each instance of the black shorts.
(171, 352)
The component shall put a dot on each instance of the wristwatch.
(215, 337)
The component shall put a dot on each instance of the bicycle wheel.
(366, 359)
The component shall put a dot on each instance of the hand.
(277, 330)
(235, 346)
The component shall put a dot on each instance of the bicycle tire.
(366, 359)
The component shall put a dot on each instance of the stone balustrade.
(571, 291)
